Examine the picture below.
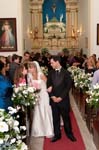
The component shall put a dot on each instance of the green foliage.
(65, 50)
(44, 51)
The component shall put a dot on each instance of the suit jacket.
(60, 86)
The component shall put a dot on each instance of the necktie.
(57, 73)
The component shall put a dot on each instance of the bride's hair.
(36, 65)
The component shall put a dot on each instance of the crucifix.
(54, 7)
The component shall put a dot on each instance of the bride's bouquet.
(25, 95)
(10, 131)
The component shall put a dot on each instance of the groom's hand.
(56, 99)
(59, 99)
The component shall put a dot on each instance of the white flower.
(1, 110)
(12, 110)
(3, 126)
(16, 123)
(16, 129)
(9, 132)
(16, 90)
(25, 93)
(24, 146)
(23, 127)
(1, 141)
(30, 89)
(12, 141)
(7, 137)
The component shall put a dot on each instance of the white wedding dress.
(42, 124)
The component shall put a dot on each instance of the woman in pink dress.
(20, 76)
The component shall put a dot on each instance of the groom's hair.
(56, 58)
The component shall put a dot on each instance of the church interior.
(57, 26)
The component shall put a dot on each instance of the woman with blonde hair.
(91, 66)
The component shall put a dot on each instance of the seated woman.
(5, 88)
(91, 67)
(96, 75)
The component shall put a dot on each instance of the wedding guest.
(13, 66)
(20, 76)
(3, 59)
(5, 88)
(42, 124)
(60, 82)
(96, 75)
(26, 57)
(91, 66)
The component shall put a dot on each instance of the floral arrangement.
(25, 95)
(93, 98)
(45, 70)
(10, 132)
(83, 80)
(75, 71)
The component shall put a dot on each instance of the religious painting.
(97, 34)
(8, 40)
(54, 19)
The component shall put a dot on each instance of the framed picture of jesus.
(8, 37)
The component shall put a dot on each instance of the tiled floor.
(37, 143)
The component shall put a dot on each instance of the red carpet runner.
(65, 143)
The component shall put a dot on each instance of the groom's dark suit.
(61, 85)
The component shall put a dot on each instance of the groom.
(59, 84)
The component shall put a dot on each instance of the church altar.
(54, 27)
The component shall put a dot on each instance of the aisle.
(65, 143)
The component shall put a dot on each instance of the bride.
(42, 124)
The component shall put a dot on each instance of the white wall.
(94, 20)
(83, 24)
(13, 9)
(26, 26)
(88, 18)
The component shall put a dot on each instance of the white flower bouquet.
(10, 137)
(25, 95)
(93, 99)
(83, 80)
(74, 71)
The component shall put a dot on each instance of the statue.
(61, 17)
(47, 19)
(54, 7)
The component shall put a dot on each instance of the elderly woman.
(5, 88)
